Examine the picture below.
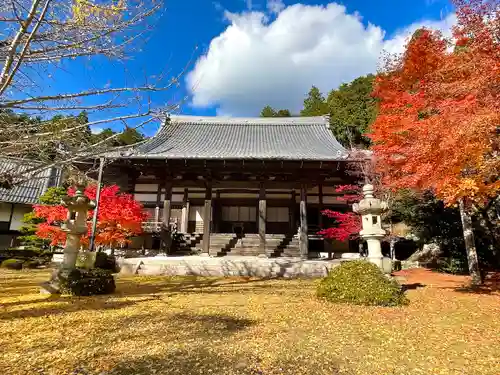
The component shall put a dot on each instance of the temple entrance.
(313, 218)
(313, 214)
(239, 229)
(238, 219)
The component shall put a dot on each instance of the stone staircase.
(288, 247)
(192, 240)
(221, 243)
(277, 245)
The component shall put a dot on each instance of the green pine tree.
(268, 111)
(28, 237)
(314, 104)
(283, 113)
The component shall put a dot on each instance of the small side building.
(245, 186)
(17, 201)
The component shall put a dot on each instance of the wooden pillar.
(326, 246)
(320, 206)
(156, 225)
(131, 183)
(217, 212)
(167, 204)
(207, 210)
(291, 213)
(303, 240)
(262, 218)
(157, 216)
(185, 212)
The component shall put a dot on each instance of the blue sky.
(253, 53)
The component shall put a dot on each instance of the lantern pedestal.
(71, 250)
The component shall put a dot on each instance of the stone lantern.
(75, 225)
(370, 209)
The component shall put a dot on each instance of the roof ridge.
(227, 120)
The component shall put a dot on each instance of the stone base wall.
(227, 266)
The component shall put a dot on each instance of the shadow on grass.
(205, 361)
(126, 288)
(491, 285)
(221, 323)
(195, 284)
(478, 289)
(166, 286)
(187, 362)
(65, 305)
(412, 286)
(183, 326)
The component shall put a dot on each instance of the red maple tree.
(347, 224)
(120, 217)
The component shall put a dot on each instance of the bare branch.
(16, 41)
(13, 103)
(37, 38)
(7, 80)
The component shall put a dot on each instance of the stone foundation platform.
(227, 266)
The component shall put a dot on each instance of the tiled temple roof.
(29, 191)
(286, 138)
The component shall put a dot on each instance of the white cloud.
(256, 61)
(96, 130)
(275, 6)
(398, 41)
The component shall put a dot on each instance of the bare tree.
(40, 37)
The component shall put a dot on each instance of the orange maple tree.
(439, 117)
(120, 217)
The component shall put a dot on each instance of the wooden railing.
(151, 226)
(155, 226)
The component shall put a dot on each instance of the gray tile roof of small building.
(32, 188)
(285, 138)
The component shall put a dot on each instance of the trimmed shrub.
(27, 253)
(82, 282)
(106, 262)
(361, 283)
(13, 264)
(455, 266)
(34, 263)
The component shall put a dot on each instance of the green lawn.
(159, 325)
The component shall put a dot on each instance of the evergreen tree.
(352, 109)
(129, 136)
(283, 113)
(268, 111)
(314, 104)
(28, 237)
(14, 126)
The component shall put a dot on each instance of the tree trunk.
(489, 224)
(470, 245)
(392, 247)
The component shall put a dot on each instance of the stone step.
(222, 243)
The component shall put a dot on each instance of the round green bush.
(360, 282)
(13, 264)
(82, 282)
